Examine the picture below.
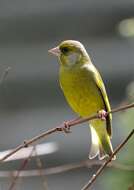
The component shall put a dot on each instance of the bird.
(85, 92)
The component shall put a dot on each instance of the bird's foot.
(66, 127)
(102, 114)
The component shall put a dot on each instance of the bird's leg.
(66, 127)
(102, 114)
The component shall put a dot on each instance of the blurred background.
(30, 97)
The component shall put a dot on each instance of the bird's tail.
(100, 144)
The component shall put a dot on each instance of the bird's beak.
(55, 51)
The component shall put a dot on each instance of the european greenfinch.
(85, 92)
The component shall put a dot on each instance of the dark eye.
(65, 50)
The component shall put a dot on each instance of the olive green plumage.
(85, 92)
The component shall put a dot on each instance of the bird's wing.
(102, 90)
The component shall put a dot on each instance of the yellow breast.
(80, 91)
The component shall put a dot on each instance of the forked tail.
(100, 144)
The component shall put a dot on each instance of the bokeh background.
(30, 97)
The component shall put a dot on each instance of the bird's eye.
(65, 50)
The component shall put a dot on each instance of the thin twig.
(61, 128)
(65, 168)
(99, 171)
(23, 165)
(4, 74)
(40, 171)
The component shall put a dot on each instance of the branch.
(23, 165)
(65, 168)
(40, 170)
(4, 74)
(99, 171)
(61, 128)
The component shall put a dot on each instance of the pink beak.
(55, 51)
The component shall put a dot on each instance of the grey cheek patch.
(73, 58)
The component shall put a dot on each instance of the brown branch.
(23, 165)
(61, 128)
(65, 168)
(100, 170)
(40, 170)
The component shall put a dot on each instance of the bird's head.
(70, 52)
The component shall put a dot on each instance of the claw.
(66, 127)
(102, 114)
